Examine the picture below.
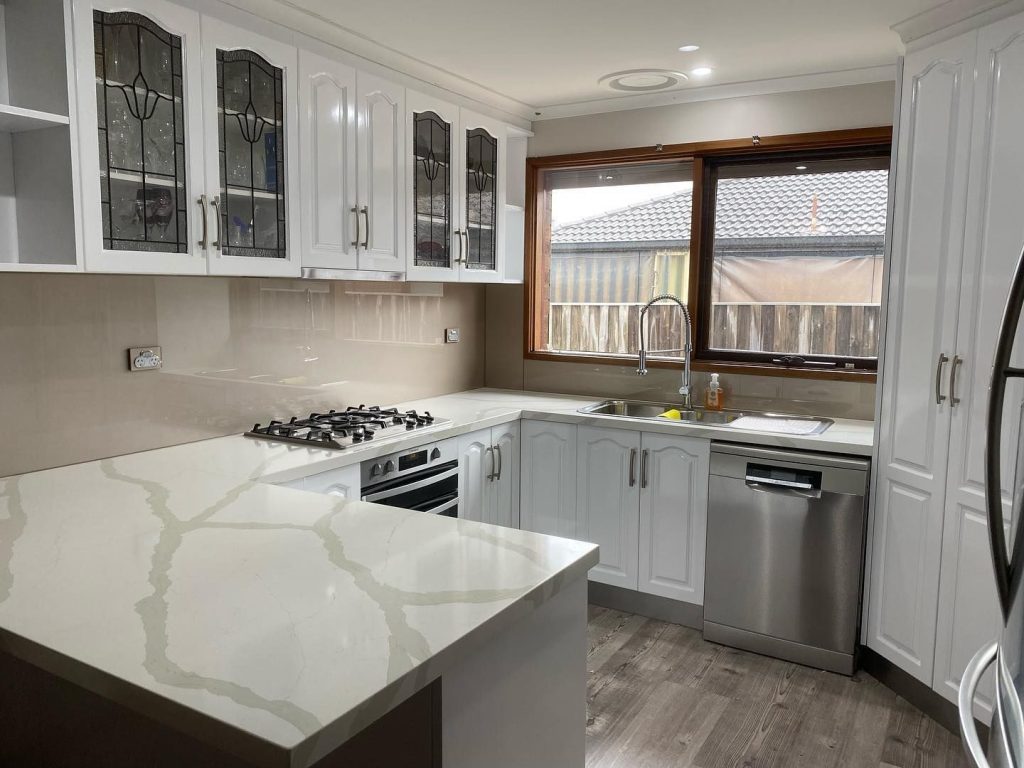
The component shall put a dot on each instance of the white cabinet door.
(673, 516)
(434, 229)
(381, 174)
(968, 609)
(343, 483)
(140, 136)
(608, 499)
(476, 471)
(250, 110)
(548, 484)
(327, 121)
(930, 201)
(505, 507)
(483, 152)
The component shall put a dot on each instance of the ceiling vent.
(641, 80)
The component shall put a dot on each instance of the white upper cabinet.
(921, 328)
(142, 157)
(482, 153)
(381, 187)
(250, 89)
(327, 116)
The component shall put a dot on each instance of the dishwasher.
(785, 553)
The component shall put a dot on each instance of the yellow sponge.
(672, 414)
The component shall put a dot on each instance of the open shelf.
(18, 119)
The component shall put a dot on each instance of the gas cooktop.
(341, 429)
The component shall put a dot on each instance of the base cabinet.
(489, 475)
(548, 485)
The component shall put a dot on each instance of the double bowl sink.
(638, 409)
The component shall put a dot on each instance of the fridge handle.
(1007, 569)
(965, 703)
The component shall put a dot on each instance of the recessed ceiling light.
(801, 167)
(689, 48)
(638, 80)
(701, 71)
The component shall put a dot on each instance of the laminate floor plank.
(661, 697)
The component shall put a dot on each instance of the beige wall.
(856, 106)
(237, 351)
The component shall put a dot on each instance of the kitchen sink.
(636, 409)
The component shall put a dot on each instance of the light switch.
(451, 335)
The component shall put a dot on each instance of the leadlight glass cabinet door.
(140, 126)
(483, 149)
(436, 244)
(251, 114)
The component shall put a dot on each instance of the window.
(777, 250)
(619, 236)
(794, 274)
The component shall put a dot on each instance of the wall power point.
(451, 335)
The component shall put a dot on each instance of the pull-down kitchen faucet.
(641, 370)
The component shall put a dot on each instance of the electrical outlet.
(451, 335)
(144, 359)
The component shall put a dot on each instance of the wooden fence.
(845, 330)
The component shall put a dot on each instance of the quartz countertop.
(274, 621)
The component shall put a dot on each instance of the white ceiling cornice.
(724, 91)
(953, 17)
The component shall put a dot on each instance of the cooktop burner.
(340, 429)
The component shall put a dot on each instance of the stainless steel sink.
(636, 409)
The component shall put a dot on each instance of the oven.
(424, 479)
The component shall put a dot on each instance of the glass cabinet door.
(481, 200)
(251, 206)
(432, 191)
(141, 134)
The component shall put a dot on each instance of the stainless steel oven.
(425, 479)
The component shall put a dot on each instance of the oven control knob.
(435, 454)
(375, 470)
(389, 466)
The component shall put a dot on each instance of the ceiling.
(545, 53)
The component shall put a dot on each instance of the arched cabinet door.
(140, 136)
(250, 89)
(483, 154)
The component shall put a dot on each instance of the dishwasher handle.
(783, 489)
(783, 480)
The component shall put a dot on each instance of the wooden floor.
(658, 695)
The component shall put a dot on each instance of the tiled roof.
(809, 205)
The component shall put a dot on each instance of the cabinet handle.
(205, 242)
(356, 241)
(501, 462)
(458, 239)
(953, 399)
(643, 468)
(939, 397)
(465, 251)
(490, 475)
(366, 240)
(632, 467)
(216, 207)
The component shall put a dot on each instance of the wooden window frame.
(538, 237)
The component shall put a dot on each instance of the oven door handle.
(401, 489)
(440, 509)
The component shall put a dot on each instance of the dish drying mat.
(785, 426)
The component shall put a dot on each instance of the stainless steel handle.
(216, 207)
(490, 452)
(643, 467)
(501, 462)
(755, 480)
(366, 240)
(953, 399)
(424, 483)
(784, 489)
(965, 703)
(443, 507)
(356, 241)
(205, 242)
(465, 250)
(458, 239)
(632, 467)
(939, 397)
(1007, 567)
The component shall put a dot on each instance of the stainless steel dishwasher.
(785, 553)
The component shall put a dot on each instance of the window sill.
(719, 366)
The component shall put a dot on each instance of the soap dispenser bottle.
(714, 396)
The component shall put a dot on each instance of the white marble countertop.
(275, 621)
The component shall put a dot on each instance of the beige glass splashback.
(236, 351)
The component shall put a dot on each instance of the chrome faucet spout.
(686, 389)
